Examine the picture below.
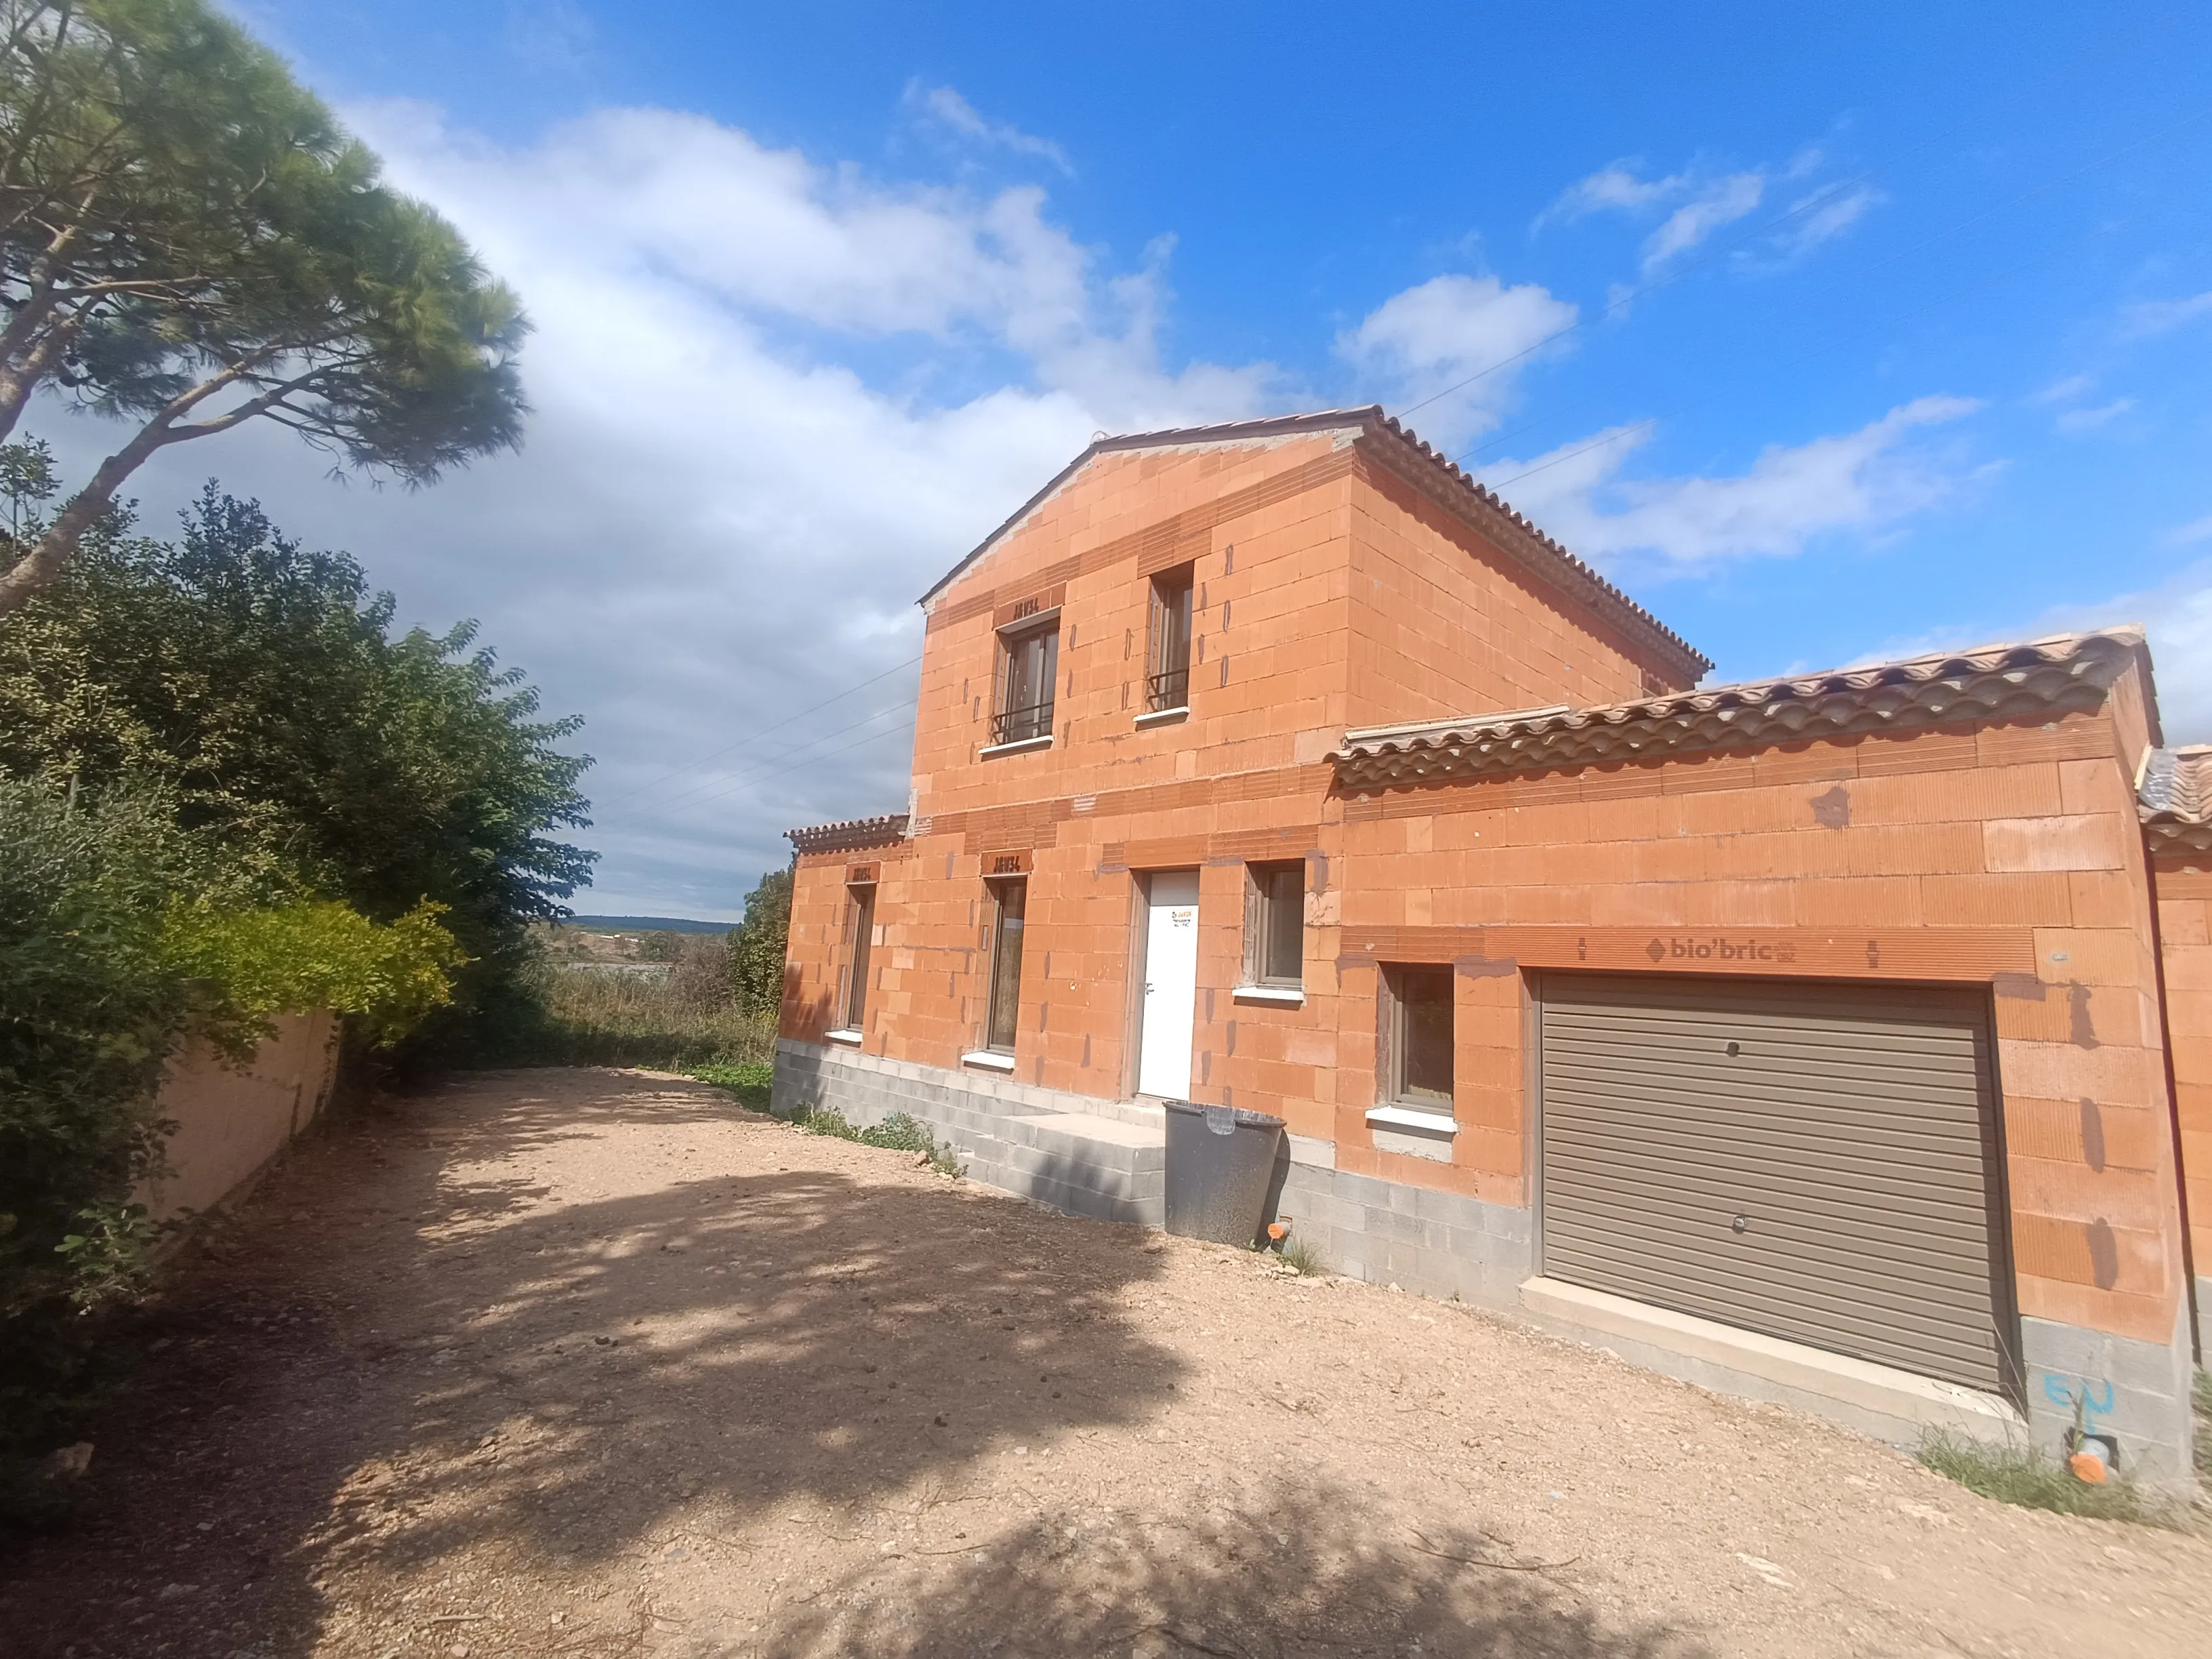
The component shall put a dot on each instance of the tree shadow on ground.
(380, 1361)
(1302, 1577)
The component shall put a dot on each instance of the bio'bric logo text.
(1684, 948)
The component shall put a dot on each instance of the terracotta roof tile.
(2067, 672)
(849, 834)
(2175, 798)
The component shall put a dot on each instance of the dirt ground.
(594, 1364)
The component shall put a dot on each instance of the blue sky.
(1848, 332)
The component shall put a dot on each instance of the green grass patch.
(899, 1133)
(748, 1080)
(2021, 1474)
(1303, 1260)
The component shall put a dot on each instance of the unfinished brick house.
(1808, 1038)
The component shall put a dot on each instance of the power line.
(755, 737)
(693, 796)
(2072, 72)
(741, 782)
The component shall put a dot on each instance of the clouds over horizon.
(1696, 203)
(774, 399)
(777, 395)
(1867, 481)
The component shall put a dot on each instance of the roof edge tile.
(848, 835)
(2061, 673)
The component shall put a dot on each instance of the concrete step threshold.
(1890, 1405)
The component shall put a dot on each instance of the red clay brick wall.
(2007, 856)
(1442, 623)
(2184, 923)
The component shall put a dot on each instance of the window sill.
(993, 750)
(1412, 1120)
(848, 1035)
(985, 1057)
(1162, 717)
(1290, 996)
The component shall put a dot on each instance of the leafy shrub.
(264, 687)
(301, 956)
(92, 1007)
(107, 972)
(758, 945)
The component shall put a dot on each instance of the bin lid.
(1238, 1117)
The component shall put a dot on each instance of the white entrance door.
(1171, 984)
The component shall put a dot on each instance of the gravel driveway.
(592, 1362)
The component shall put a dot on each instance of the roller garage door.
(1811, 1161)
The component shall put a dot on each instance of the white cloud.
(1616, 187)
(1456, 344)
(2072, 421)
(2176, 616)
(1823, 215)
(1703, 202)
(2065, 391)
(2147, 318)
(1723, 202)
(775, 400)
(2188, 535)
(1864, 481)
(944, 108)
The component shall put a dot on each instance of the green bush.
(302, 957)
(334, 758)
(757, 946)
(92, 1006)
(107, 972)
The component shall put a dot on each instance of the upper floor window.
(1029, 665)
(1167, 667)
(1275, 923)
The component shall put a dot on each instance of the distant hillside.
(648, 925)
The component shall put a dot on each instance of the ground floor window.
(1417, 1036)
(860, 932)
(1275, 925)
(1009, 899)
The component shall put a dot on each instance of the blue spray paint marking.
(2066, 1394)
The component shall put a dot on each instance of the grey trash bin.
(1220, 1161)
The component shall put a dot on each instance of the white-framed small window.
(1003, 1007)
(1275, 925)
(860, 934)
(1167, 658)
(1028, 668)
(1417, 1037)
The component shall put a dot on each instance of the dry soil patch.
(591, 1363)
